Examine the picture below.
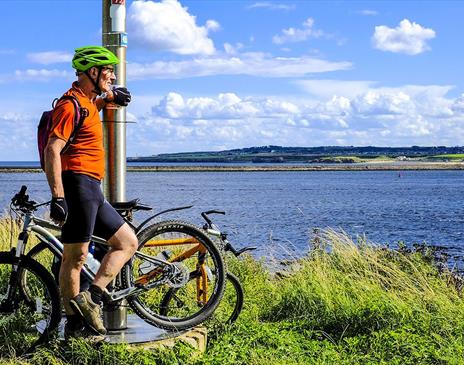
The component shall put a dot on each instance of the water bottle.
(91, 262)
(148, 266)
(92, 247)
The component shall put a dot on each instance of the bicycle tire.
(147, 306)
(52, 263)
(35, 312)
(237, 306)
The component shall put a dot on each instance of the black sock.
(96, 294)
(74, 321)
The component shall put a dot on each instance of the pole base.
(141, 334)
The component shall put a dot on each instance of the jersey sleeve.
(62, 120)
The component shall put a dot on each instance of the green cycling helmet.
(92, 56)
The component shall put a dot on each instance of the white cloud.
(272, 6)
(377, 116)
(213, 25)
(379, 103)
(230, 63)
(168, 26)
(298, 35)
(325, 89)
(253, 64)
(232, 49)
(225, 106)
(17, 136)
(406, 115)
(409, 38)
(368, 12)
(7, 51)
(42, 74)
(458, 104)
(46, 58)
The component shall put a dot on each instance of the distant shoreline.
(255, 168)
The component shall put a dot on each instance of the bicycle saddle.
(130, 205)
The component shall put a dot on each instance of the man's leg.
(123, 245)
(74, 255)
(73, 259)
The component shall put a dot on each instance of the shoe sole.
(77, 309)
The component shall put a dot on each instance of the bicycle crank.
(179, 275)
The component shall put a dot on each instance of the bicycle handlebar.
(223, 236)
(21, 201)
(19, 197)
(228, 247)
(206, 218)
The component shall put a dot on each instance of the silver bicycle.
(29, 297)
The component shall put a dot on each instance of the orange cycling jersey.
(85, 155)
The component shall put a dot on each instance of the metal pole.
(114, 132)
(115, 39)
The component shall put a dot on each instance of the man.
(74, 176)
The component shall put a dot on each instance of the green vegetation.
(341, 159)
(279, 154)
(354, 159)
(451, 157)
(344, 302)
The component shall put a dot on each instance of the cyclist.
(74, 177)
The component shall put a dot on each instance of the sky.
(223, 74)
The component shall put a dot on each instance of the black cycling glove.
(58, 209)
(121, 96)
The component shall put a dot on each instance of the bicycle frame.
(53, 243)
(201, 281)
(39, 226)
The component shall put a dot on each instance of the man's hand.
(121, 96)
(58, 210)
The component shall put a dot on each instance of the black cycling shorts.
(88, 211)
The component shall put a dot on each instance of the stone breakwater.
(334, 167)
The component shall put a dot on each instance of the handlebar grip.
(205, 215)
(19, 195)
(214, 212)
(237, 253)
(23, 190)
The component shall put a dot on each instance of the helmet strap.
(96, 89)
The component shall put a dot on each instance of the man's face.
(107, 78)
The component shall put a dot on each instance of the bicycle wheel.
(197, 272)
(45, 257)
(226, 313)
(30, 313)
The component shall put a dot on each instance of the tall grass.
(360, 288)
(344, 302)
(9, 230)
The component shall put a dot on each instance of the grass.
(344, 302)
(450, 157)
(341, 159)
(356, 159)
